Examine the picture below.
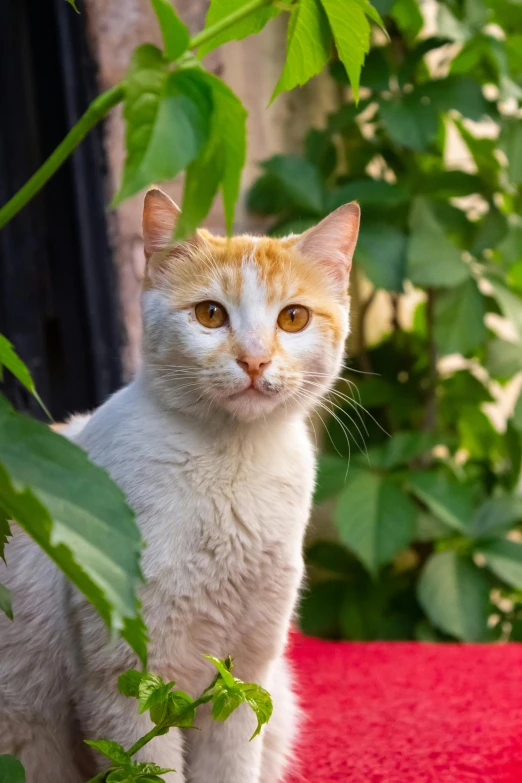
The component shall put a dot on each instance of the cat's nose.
(254, 366)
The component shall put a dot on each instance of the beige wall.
(250, 67)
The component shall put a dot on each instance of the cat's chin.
(250, 404)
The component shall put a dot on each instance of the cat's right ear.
(160, 215)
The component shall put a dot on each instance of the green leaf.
(250, 25)
(110, 750)
(308, 45)
(449, 184)
(149, 685)
(408, 17)
(129, 683)
(462, 93)
(483, 153)
(495, 516)
(408, 122)
(402, 448)
(225, 701)
(375, 519)
(509, 302)
(5, 533)
(220, 162)
(332, 474)
(260, 702)
(491, 230)
(299, 179)
(221, 666)
(351, 31)
(454, 593)
(381, 251)
(168, 118)
(175, 710)
(504, 359)
(175, 33)
(368, 192)
(73, 4)
(11, 770)
(459, 319)
(5, 602)
(433, 259)
(12, 362)
(76, 514)
(148, 768)
(504, 558)
(430, 528)
(450, 501)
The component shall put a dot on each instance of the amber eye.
(293, 318)
(211, 314)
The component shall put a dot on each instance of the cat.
(210, 443)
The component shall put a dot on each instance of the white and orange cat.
(210, 444)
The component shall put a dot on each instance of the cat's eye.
(211, 314)
(293, 318)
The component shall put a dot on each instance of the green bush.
(427, 514)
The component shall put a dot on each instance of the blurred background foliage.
(418, 497)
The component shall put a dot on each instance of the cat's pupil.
(292, 315)
(212, 310)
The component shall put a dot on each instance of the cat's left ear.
(160, 215)
(332, 242)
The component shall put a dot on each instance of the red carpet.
(409, 713)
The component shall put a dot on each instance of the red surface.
(404, 712)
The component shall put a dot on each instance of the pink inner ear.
(332, 241)
(160, 214)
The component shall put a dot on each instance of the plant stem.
(144, 740)
(430, 412)
(227, 21)
(96, 112)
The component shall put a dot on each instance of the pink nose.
(254, 366)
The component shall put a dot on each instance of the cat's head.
(248, 324)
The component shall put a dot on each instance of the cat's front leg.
(221, 752)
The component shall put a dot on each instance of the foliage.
(428, 520)
(179, 117)
(167, 709)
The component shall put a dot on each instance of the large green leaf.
(308, 46)
(299, 179)
(220, 162)
(450, 501)
(433, 259)
(408, 17)
(495, 516)
(402, 448)
(375, 519)
(408, 122)
(351, 30)
(11, 770)
(459, 319)
(483, 153)
(251, 24)
(76, 514)
(332, 474)
(168, 118)
(454, 593)
(504, 558)
(504, 359)
(381, 251)
(510, 303)
(5, 533)
(175, 33)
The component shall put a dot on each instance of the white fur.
(222, 491)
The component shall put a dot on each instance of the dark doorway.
(57, 287)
